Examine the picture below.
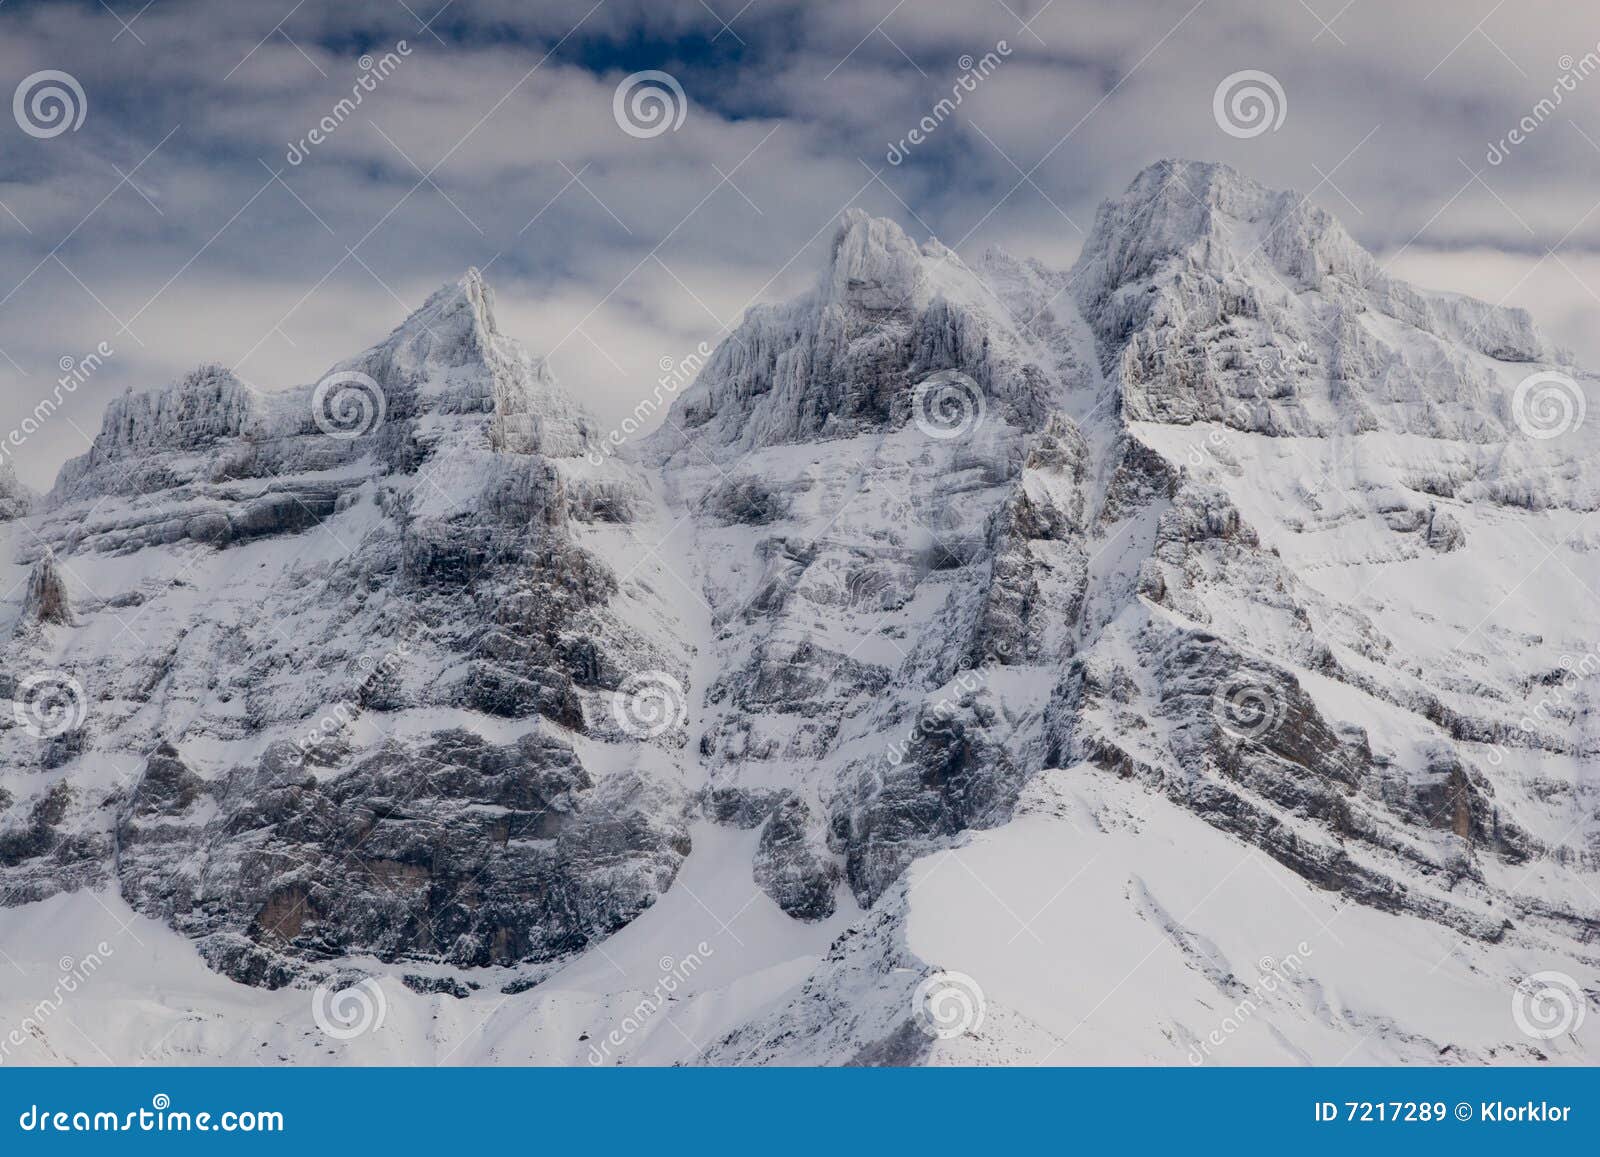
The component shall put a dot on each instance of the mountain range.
(1188, 657)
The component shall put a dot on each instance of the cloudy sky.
(190, 218)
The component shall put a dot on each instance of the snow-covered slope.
(333, 665)
(1185, 657)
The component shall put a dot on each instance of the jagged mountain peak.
(1173, 184)
(1182, 217)
(207, 403)
(1213, 297)
(887, 313)
(1208, 216)
(466, 303)
(451, 337)
(873, 263)
(186, 419)
(450, 357)
(445, 380)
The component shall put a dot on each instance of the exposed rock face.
(35, 836)
(792, 866)
(1277, 400)
(873, 586)
(1443, 532)
(326, 599)
(1174, 281)
(1177, 520)
(452, 850)
(46, 600)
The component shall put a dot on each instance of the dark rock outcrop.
(792, 866)
(454, 850)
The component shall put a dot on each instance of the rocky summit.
(1088, 651)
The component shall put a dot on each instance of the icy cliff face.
(1223, 300)
(1210, 553)
(340, 661)
(887, 501)
(15, 499)
(976, 617)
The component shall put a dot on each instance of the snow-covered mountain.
(1188, 657)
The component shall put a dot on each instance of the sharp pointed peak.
(875, 264)
(1210, 213)
(470, 292)
(1201, 173)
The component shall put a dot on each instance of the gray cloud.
(612, 252)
